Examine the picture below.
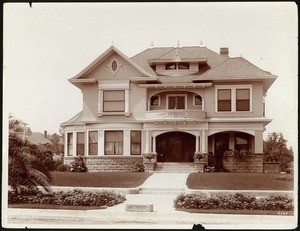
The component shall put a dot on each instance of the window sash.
(80, 144)
(113, 142)
(154, 101)
(176, 102)
(198, 100)
(135, 142)
(114, 101)
(93, 142)
(242, 100)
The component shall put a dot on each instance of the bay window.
(80, 144)
(69, 144)
(93, 143)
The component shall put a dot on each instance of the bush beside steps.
(76, 197)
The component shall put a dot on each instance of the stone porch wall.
(246, 163)
(108, 163)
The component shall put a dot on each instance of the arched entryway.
(175, 147)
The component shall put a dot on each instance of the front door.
(175, 147)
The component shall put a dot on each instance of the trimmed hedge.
(76, 197)
(236, 201)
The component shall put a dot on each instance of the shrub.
(138, 167)
(73, 198)
(237, 201)
(78, 165)
(63, 168)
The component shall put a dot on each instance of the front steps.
(175, 167)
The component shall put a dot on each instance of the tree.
(275, 149)
(28, 164)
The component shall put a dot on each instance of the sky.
(49, 43)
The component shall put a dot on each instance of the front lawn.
(99, 179)
(240, 181)
(50, 206)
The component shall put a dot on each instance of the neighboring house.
(171, 101)
(38, 138)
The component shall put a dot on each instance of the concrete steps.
(183, 167)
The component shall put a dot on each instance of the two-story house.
(173, 101)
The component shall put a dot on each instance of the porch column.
(100, 100)
(126, 143)
(101, 144)
(153, 144)
(86, 144)
(197, 144)
(204, 141)
(74, 143)
(126, 101)
(147, 140)
(258, 142)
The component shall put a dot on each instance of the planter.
(149, 166)
(271, 167)
(200, 165)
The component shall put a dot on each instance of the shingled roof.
(37, 138)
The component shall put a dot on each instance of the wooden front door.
(175, 147)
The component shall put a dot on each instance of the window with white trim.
(155, 100)
(113, 143)
(114, 101)
(176, 102)
(93, 143)
(135, 142)
(80, 144)
(197, 100)
(236, 98)
(69, 144)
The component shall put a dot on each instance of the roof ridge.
(165, 53)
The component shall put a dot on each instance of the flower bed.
(76, 197)
(236, 201)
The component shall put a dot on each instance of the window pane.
(180, 102)
(170, 66)
(113, 142)
(183, 66)
(224, 94)
(198, 100)
(135, 142)
(93, 143)
(80, 143)
(243, 105)
(224, 100)
(172, 102)
(242, 94)
(114, 106)
(154, 100)
(224, 105)
(70, 144)
(114, 95)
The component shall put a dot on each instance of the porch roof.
(175, 85)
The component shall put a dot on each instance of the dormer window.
(177, 66)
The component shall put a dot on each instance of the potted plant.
(149, 160)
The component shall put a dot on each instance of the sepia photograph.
(150, 115)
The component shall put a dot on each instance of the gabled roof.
(100, 59)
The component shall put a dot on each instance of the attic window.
(170, 66)
(184, 66)
(177, 66)
(114, 65)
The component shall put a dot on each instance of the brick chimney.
(45, 134)
(224, 51)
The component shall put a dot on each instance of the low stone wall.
(108, 163)
(244, 163)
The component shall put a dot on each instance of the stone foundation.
(271, 167)
(243, 163)
(108, 163)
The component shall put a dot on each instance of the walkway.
(166, 183)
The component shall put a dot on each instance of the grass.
(49, 206)
(240, 181)
(233, 211)
(99, 179)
